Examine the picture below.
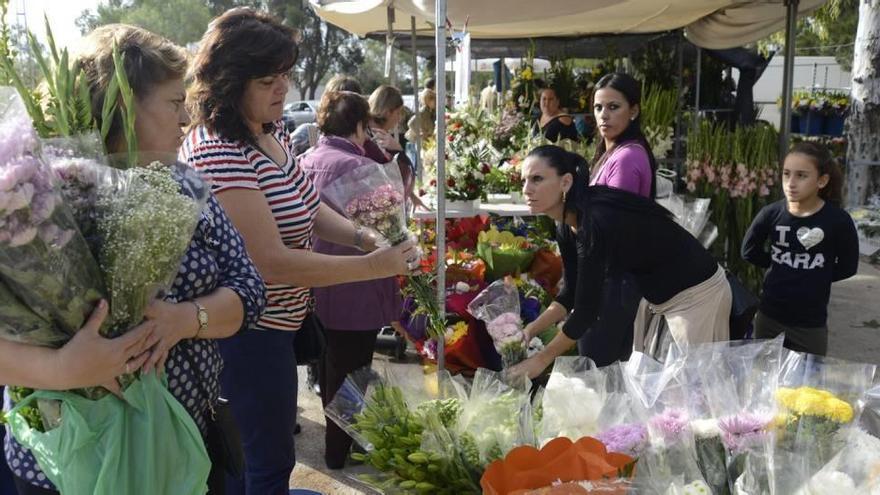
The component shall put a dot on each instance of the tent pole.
(679, 53)
(440, 69)
(697, 87)
(390, 75)
(415, 85)
(788, 75)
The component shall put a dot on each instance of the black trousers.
(610, 339)
(346, 351)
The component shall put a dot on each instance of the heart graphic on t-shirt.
(810, 237)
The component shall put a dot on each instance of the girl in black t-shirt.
(812, 243)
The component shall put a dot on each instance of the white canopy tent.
(712, 24)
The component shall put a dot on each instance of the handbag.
(223, 439)
(309, 342)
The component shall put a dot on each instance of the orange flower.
(527, 468)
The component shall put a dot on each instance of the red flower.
(485, 169)
(422, 191)
(433, 182)
(450, 138)
(450, 182)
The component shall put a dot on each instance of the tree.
(863, 123)
(830, 31)
(14, 47)
(181, 21)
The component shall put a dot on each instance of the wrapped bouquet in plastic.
(818, 399)
(372, 197)
(572, 401)
(498, 306)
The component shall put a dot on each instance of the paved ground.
(854, 320)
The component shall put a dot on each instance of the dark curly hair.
(240, 45)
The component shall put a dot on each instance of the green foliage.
(830, 31)
(560, 76)
(181, 21)
(61, 105)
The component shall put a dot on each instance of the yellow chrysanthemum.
(838, 410)
(459, 330)
(814, 402)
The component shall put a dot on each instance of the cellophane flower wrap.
(495, 418)
(49, 280)
(138, 222)
(372, 197)
(819, 401)
(855, 469)
(498, 306)
(504, 253)
(404, 423)
(669, 463)
(729, 388)
(572, 400)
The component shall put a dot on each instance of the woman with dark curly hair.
(241, 75)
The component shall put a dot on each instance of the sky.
(62, 16)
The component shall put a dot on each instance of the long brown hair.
(240, 45)
(630, 88)
(826, 165)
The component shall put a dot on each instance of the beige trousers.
(697, 315)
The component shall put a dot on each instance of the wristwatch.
(202, 316)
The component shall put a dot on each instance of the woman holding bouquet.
(604, 230)
(386, 111)
(217, 291)
(241, 75)
(344, 118)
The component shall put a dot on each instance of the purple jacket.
(627, 168)
(367, 305)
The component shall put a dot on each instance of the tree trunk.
(863, 123)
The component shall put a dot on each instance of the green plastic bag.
(147, 444)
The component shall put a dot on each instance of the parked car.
(299, 112)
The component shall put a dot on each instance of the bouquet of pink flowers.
(371, 196)
(498, 306)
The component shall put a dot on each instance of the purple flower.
(670, 424)
(743, 430)
(629, 439)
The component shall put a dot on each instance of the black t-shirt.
(806, 255)
(614, 238)
(554, 130)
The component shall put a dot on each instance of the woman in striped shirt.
(240, 80)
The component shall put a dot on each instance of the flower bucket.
(834, 125)
(815, 124)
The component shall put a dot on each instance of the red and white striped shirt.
(290, 194)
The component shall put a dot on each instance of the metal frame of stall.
(440, 124)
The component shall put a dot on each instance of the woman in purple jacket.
(352, 313)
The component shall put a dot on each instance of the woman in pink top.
(624, 161)
(623, 156)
